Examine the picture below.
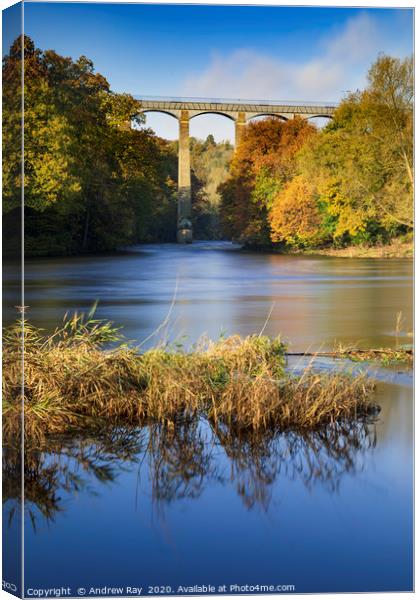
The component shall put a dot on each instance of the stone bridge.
(239, 111)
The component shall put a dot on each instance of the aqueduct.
(239, 111)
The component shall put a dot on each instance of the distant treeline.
(293, 185)
(210, 168)
(92, 182)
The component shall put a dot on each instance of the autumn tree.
(362, 162)
(295, 217)
(91, 181)
(49, 165)
(263, 163)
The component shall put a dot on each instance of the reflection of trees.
(66, 465)
(183, 458)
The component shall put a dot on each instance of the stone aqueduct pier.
(239, 111)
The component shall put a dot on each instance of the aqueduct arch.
(163, 112)
(258, 115)
(240, 111)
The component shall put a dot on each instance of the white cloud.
(339, 63)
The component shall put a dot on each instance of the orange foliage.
(264, 160)
(271, 143)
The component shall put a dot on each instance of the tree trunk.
(86, 228)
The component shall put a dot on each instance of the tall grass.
(73, 380)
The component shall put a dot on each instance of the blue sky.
(222, 51)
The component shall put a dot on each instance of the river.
(327, 512)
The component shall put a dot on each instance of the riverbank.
(394, 250)
(72, 381)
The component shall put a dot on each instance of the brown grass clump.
(302, 403)
(71, 382)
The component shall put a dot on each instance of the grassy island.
(74, 379)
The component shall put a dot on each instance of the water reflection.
(66, 467)
(322, 456)
(181, 460)
(295, 497)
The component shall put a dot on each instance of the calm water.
(155, 507)
(314, 301)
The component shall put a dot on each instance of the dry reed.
(73, 380)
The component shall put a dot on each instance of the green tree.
(210, 168)
(362, 162)
(92, 182)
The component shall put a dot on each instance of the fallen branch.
(397, 355)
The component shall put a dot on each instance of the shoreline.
(396, 249)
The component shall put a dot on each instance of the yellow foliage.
(295, 217)
(351, 216)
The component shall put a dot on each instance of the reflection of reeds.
(65, 466)
(72, 382)
(319, 456)
(181, 461)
